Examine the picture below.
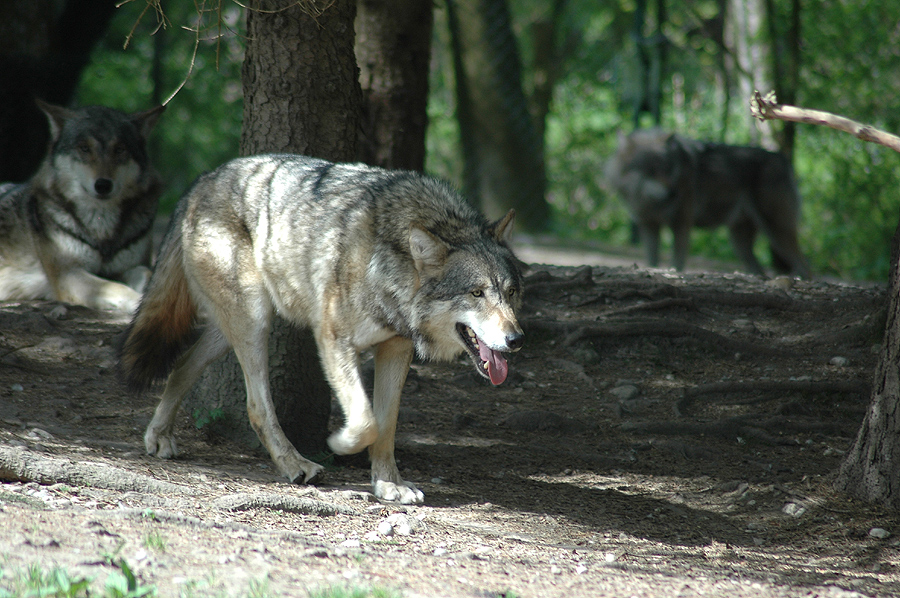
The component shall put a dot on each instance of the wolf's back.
(165, 322)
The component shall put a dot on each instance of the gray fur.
(365, 257)
(668, 180)
(80, 230)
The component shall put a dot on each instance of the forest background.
(707, 56)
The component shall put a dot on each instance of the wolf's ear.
(56, 116)
(502, 229)
(145, 121)
(427, 250)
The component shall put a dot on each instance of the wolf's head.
(97, 153)
(470, 293)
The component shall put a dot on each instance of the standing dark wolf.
(364, 257)
(80, 230)
(668, 180)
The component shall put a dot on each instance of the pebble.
(839, 361)
(403, 525)
(626, 392)
(793, 509)
(879, 532)
(385, 528)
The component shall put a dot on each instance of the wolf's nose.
(515, 341)
(103, 186)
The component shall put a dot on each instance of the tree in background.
(503, 156)
(393, 50)
(44, 46)
(301, 95)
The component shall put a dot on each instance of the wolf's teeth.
(485, 365)
(472, 334)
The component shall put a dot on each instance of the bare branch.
(767, 108)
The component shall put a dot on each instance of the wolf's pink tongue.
(497, 366)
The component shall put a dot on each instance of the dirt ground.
(659, 435)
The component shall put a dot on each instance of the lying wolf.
(364, 257)
(668, 180)
(80, 230)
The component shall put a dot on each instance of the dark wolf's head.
(470, 293)
(647, 166)
(97, 154)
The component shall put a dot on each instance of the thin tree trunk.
(301, 95)
(503, 157)
(871, 469)
(393, 50)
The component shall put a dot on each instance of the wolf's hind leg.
(392, 359)
(249, 335)
(159, 439)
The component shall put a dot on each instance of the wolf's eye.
(477, 293)
(83, 148)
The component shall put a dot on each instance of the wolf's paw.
(349, 440)
(161, 445)
(301, 472)
(404, 493)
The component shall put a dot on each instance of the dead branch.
(768, 108)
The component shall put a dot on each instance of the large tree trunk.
(503, 156)
(393, 48)
(301, 95)
(42, 52)
(871, 469)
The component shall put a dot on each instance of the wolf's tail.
(165, 323)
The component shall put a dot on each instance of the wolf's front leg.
(341, 364)
(392, 359)
(80, 287)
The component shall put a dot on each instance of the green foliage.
(34, 582)
(201, 126)
(155, 541)
(850, 66)
(341, 592)
(204, 416)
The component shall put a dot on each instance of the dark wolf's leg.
(743, 234)
(392, 359)
(650, 238)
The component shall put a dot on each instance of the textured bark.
(301, 95)
(393, 47)
(503, 156)
(871, 469)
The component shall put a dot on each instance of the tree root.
(578, 330)
(856, 387)
(19, 464)
(744, 426)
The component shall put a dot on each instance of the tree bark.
(301, 95)
(393, 48)
(871, 469)
(503, 157)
